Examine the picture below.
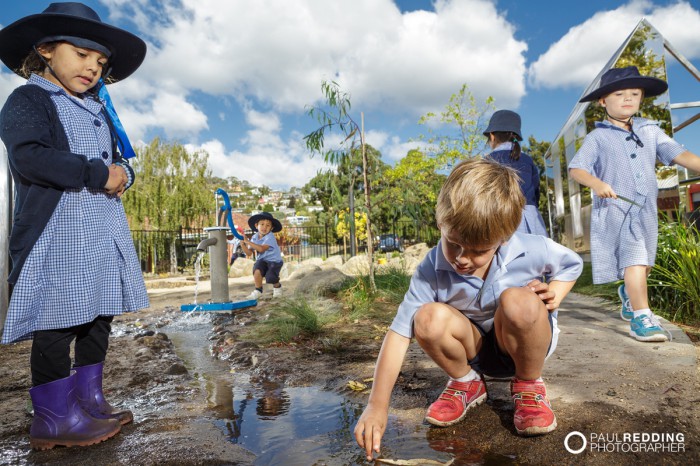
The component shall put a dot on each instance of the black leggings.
(50, 359)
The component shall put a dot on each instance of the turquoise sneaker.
(626, 311)
(648, 328)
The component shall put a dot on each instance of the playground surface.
(631, 402)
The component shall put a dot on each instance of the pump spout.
(202, 247)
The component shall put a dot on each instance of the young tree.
(464, 113)
(336, 115)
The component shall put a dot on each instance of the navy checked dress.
(84, 263)
(622, 234)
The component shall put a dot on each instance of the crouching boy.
(477, 307)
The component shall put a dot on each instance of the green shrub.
(674, 282)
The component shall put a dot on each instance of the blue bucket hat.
(616, 79)
(75, 23)
(506, 121)
(276, 225)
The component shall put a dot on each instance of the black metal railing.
(174, 251)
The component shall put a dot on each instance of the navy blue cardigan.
(527, 170)
(42, 167)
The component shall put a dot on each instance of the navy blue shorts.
(269, 270)
(490, 360)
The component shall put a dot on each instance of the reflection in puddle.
(300, 425)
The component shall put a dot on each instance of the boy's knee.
(521, 307)
(430, 320)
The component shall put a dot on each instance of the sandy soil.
(172, 415)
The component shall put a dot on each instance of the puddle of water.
(299, 425)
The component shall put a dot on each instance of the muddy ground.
(174, 419)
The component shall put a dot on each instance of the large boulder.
(242, 267)
(321, 282)
(417, 251)
(358, 265)
(333, 261)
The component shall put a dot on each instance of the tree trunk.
(368, 206)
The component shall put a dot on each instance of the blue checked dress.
(622, 234)
(84, 263)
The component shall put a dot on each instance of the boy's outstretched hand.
(370, 429)
(548, 297)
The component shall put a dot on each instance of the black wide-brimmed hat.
(616, 79)
(276, 225)
(506, 121)
(75, 23)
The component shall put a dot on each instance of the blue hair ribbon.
(123, 143)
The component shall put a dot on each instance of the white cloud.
(579, 56)
(266, 158)
(409, 62)
(267, 59)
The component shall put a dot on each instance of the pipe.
(204, 244)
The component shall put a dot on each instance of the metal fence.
(174, 251)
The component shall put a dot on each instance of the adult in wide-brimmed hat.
(616, 79)
(77, 24)
(276, 225)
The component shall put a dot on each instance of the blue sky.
(234, 77)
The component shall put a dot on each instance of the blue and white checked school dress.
(84, 263)
(622, 234)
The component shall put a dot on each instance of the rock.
(176, 369)
(358, 265)
(304, 270)
(333, 261)
(321, 282)
(242, 267)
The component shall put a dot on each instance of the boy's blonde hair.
(481, 202)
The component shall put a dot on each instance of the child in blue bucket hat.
(504, 136)
(617, 161)
(74, 266)
(269, 262)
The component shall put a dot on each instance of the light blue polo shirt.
(522, 259)
(273, 253)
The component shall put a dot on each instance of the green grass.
(295, 317)
(392, 284)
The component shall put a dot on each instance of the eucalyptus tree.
(459, 128)
(335, 114)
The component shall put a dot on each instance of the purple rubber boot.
(59, 419)
(89, 392)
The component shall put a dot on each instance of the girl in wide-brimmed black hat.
(504, 136)
(617, 160)
(74, 265)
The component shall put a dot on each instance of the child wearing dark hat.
(504, 136)
(617, 161)
(74, 266)
(269, 257)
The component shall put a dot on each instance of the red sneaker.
(454, 402)
(533, 413)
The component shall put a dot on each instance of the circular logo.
(575, 434)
